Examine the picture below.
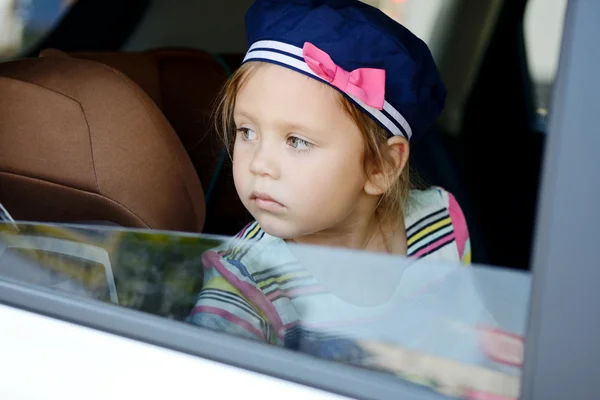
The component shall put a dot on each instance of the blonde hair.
(375, 157)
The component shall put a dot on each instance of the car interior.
(108, 119)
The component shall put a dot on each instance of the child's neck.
(362, 234)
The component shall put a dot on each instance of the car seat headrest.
(80, 141)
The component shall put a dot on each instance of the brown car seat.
(79, 141)
(184, 84)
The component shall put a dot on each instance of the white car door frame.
(246, 355)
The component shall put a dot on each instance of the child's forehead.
(272, 86)
(268, 74)
(279, 96)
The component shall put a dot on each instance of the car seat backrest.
(79, 141)
(184, 84)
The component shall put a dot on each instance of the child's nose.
(264, 162)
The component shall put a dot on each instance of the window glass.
(24, 22)
(451, 328)
(543, 32)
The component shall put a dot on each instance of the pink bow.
(368, 84)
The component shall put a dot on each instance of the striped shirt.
(256, 287)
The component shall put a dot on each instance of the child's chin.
(279, 228)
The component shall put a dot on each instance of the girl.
(319, 119)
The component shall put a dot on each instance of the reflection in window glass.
(454, 329)
(543, 32)
(24, 22)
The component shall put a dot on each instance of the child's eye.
(247, 133)
(299, 144)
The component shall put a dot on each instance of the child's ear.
(396, 152)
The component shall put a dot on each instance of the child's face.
(297, 159)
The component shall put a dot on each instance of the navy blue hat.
(373, 60)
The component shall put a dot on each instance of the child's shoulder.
(431, 200)
(434, 214)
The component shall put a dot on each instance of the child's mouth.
(266, 202)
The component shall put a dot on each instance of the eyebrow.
(243, 114)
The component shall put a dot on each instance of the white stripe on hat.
(271, 50)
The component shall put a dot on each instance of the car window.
(543, 27)
(23, 23)
(441, 325)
